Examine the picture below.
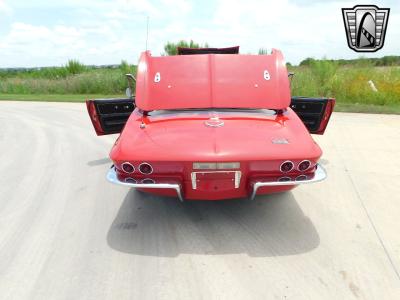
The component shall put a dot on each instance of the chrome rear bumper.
(319, 175)
(112, 177)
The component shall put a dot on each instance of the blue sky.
(48, 33)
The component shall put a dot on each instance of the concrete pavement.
(66, 233)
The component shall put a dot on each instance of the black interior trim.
(190, 51)
(310, 111)
(114, 113)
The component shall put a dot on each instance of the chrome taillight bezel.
(284, 179)
(152, 181)
(301, 177)
(145, 163)
(286, 161)
(305, 160)
(129, 164)
(130, 180)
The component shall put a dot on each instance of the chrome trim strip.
(319, 175)
(194, 180)
(112, 177)
(213, 166)
(238, 175)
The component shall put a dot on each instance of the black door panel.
(314, 112)
(109, 115)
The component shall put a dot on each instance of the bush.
(74, 67)
(100, 81)
(348, 84)
(324, 73)
(172, 48)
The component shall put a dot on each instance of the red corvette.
(213, 124)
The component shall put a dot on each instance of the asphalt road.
(66, 233)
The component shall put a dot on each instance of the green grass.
(349, 85)
(101, 81)
(368, 108)
(319, 78)
(57, 97)
(74, 78)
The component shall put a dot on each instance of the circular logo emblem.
(214, 122)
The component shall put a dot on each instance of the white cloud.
(178, 6)
(101, 32)
(139, 6)
(29, 45)
(5, 8)
(299, 30)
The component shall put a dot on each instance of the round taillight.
(284, 179)
(130, 180)
(145, 168)
(286, 166)
(148, 180)
(127, 167)
(301, 178)
(304, 165)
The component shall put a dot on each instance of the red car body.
(210, 125)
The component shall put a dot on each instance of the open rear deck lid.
(189, 51)
(212, 81)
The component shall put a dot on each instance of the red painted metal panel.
(212, 81)
(244, 137)
(172, 142)
(327, 115)
(94, 117)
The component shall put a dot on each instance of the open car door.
(109, 115)
(314, 112)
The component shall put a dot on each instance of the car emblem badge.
(280, 141)
(365, 27)
(214, 122)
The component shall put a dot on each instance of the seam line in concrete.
(373, 226)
